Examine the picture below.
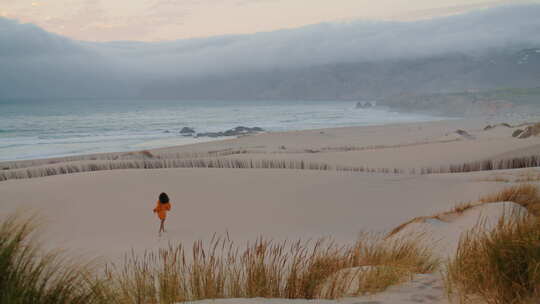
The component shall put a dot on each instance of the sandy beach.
(269, 152)
(107, 213)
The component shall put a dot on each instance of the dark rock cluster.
(489, 127)
(533, 130)
(365, 104)
(240, 130)
(465, 134)
(517, 133)
(187, 131)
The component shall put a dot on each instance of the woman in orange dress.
(163, 205)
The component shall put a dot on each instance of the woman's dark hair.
(163, 198)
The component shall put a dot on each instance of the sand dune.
(442, 235)
(108, 213)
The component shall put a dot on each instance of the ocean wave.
(118, 128)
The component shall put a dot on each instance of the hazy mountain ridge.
(377, 80)
(478, 51)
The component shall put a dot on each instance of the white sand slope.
(442, 234)
(108, 213)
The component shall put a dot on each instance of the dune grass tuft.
(526, 195)
(501, 265)
(498, 266)
(308, 270)
(30, 275)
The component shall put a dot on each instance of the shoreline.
(412, 149)
(204, 140)
(172, 142)
(132, 128)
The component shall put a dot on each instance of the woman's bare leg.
(162, 226)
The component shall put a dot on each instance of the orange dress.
(161, 210)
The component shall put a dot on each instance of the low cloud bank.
(320, 44)
(34, 60)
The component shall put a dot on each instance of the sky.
(159, 20)
(38, 64)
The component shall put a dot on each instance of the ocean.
(41, 129)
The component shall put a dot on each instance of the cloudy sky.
(156, 20)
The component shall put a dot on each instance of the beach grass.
(526, 195)
(31, 275)
(498, 266)
(264, 268)
(217, 269)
